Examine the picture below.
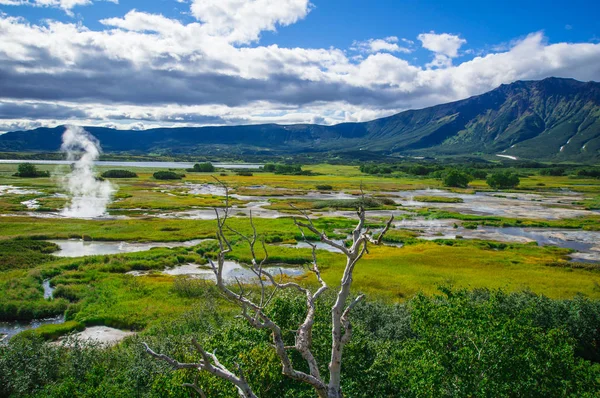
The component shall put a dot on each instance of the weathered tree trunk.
(253, 311)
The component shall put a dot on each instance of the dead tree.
(253, 310)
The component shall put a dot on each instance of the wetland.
(106, 278)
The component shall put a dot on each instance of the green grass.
(437, 199)
(53, 331)
(590, 223)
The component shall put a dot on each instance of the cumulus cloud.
(241, 21)
(388, 44)
(444, 43)
(66, 5)
(149, 69)
(444, 46)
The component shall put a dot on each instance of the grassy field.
(96, 290)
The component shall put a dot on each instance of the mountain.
(553, 119)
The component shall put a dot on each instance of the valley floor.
(144, 263)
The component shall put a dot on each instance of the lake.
(156, 165)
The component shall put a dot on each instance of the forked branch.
(255, 311)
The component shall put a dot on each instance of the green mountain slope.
(552, 119)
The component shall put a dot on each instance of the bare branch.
(174, 364)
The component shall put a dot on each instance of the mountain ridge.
(554, 119)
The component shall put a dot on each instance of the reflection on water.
(586, 243)
(318, 245)
(79, 248)
(48, 290)
(9, 329)
(232, 271)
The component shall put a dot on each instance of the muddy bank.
(97, 334)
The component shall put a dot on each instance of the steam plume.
(89, 196)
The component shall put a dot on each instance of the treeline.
(288, 169)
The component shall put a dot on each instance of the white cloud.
(66, 5)
(150, 69)
(388, 44)
(241, 21)
(443, 44)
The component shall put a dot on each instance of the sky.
(139, 64)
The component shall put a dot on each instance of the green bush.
(167, 175)
(29, 170)
(119, 174)
(594, 173)
(202, 168)
(456, 178)
(324, 187)
(555, 172)
(456, 344)
(503, 180)
(289, 169)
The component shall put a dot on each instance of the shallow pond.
(9, 329)
(232, 271)
(80, 248)
(12, 190)
(318, 245)
(586, 243)
(550, 205)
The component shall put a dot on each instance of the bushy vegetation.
(503, 180)
(324, 187)
(554, 171)
(594, 173)
(458, 343)
(24, 253)
(456, 178)
(206, 167)
(376, 169)
(437, 199)
(367, 203)
(167, 175)
(29, 170)
(287, 169)
(119, 174)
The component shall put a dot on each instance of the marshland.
(85, 291)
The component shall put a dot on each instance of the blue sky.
(140, 64)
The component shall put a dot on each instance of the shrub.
(119, 174)
(456, 178)
(206, 167)
(478, 174)
(503, 180)
(324, 187)
(594, 173)
(290, 169)
(375, 169)
(167, 175)
(29, 170)
(555, 172)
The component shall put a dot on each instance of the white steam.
(89, 196)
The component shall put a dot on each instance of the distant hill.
(553, 119)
